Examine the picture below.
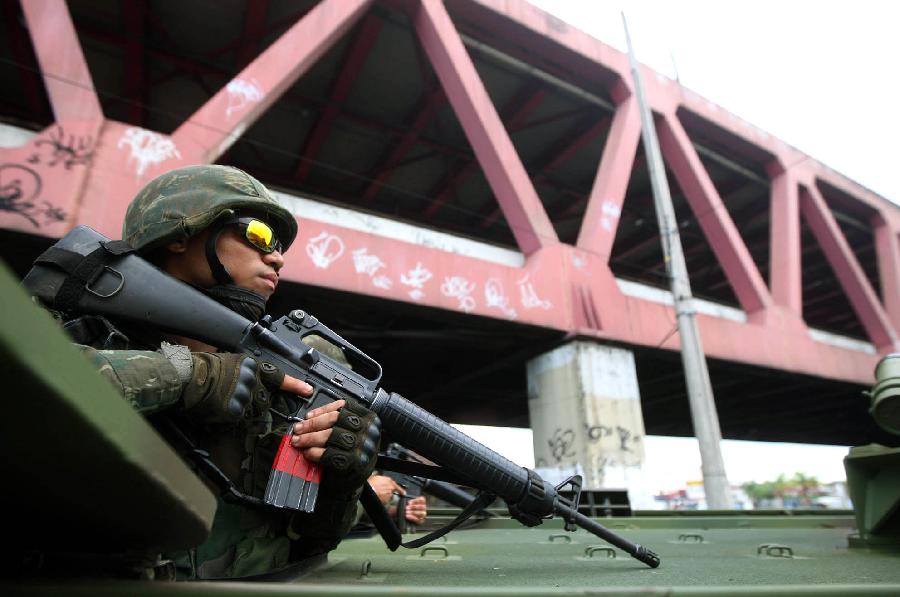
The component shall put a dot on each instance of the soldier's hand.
(312, 433)
(344, 437)
(416, 510)
(385, 488)
(296, 386)
(223, 385)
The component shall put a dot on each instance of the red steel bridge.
(471, 190)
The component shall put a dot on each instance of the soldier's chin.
(265, 287)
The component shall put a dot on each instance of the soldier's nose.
(274, 259)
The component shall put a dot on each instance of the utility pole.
(700, 396)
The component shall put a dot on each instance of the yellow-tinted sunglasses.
(259, 234)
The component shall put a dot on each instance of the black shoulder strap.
(388, 530)
(418, 469)
(481, 501)
(83, 270)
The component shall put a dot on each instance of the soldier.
(387, 489)
(219, 229)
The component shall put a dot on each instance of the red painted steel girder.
(832, 242)
(570, 143)
(261, 83)
(502, 167)
(66, 76)
(134, 52)
(29, 77)
(86, 168)
(704, 200)
(520, 108)
(433, 101)
(354, 60)
(252, 32)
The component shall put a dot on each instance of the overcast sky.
(820, 75)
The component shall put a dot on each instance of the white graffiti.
(241, 93)
(611, 212)
(494, 296)
(382, 282)
(365, 263)
(610, 208)
(324, 249)
(461, 289)
(416, 278)
(147, 148)
(530, 298)
(578, 261)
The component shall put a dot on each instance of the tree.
(799, 490)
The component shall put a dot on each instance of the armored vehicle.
(90, 490)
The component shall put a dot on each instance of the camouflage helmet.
(185, 201)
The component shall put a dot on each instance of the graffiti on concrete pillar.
(20, 187)
(147, 148)
(561, 443)
(597, 432)
(461, 289)
(624, 436)
(324, 249)
(241, 93)
(58, 148)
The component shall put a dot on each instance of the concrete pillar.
(585, 410)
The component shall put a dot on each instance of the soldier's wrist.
(180, 357)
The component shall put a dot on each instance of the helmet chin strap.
(240, 300)
(212, 258)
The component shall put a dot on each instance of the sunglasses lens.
(261, 236)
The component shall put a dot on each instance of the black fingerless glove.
(349, 459)
(352, 449)
(223, 385)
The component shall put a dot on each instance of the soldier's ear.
(177, 246)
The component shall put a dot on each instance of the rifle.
(86, 272)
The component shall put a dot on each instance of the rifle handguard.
(535, 505)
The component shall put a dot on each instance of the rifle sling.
(388, 530)
(380, 518)
(82, 270)
(481, 501)
(417, 469)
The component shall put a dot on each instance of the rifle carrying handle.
(423, 432)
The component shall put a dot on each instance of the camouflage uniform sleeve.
(147, 379)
